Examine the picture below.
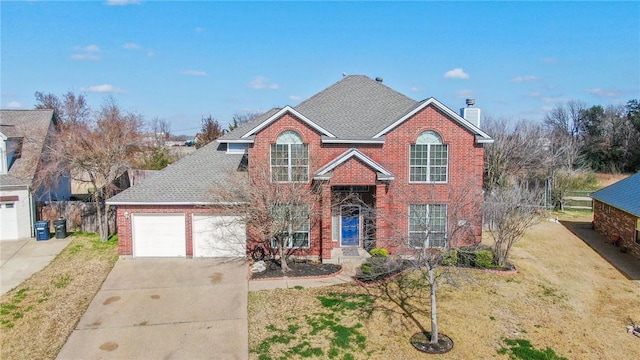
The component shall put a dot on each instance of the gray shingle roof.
(32, 126)
(187, 181)
(624, 195)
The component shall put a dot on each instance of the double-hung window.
(427, 225)
(429, 159)
(293, 222)
(289, 158)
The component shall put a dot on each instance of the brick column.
(326, 243)
(382, 210)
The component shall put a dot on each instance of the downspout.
(32, 212)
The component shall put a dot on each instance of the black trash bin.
(60, 227)
(42, 230)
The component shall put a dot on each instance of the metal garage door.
(159, 235)
(8, 221)
(218, 236)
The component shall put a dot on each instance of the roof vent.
(379, 79)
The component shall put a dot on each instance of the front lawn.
(564, 302)
(37, 317)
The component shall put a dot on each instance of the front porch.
(347, 256)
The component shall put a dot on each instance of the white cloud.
(521, 79)
(14, 104)
(602, 93)
(122, 2)
(131, 46)
(193, 73)
(104, 88)
(295, 97)
(261, 83)
(555, 100)
(416, 89)
(88, 52)
(456, 73)
(85, 57)
(549, 60)
(464, 94)
(198, 29)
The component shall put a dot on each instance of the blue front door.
(350, 225)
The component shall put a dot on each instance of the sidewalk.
(345, 276)
(626, 263)
(22, 258)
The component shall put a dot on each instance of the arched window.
(429, 159)
(289, 158)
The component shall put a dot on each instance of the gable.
(348, 157)
(480, 136)
(287, 110)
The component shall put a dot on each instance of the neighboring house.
(24, 135)
(616, 213)
(358, 138)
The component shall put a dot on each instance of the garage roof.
(188, 181)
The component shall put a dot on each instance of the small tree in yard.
(509, 212)
(432, 230)
(278, 215)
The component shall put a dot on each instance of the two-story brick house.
(415, 164)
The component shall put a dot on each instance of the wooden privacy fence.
(80, 215)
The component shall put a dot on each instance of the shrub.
(379, 252)
(484, 258)
(450, 258)
(366, 269)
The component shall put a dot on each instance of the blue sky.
(183, 60)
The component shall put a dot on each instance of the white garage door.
(159, 235)
(8, 221)
(218, 236)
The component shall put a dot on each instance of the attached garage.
(8, 221)
(218, 236)
(159, 235)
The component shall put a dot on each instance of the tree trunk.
(434, 313)
(283, 259)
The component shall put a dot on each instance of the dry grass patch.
(565, 298)
(37, 317)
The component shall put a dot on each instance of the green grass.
(295, 341)
(520, 349)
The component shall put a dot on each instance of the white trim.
(452, 114)
(323, 171)
(347, 141)
(238, 149)
(195, 203)
(236, 141)
(277, 115)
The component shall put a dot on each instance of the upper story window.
(289, 158)
(429, 159)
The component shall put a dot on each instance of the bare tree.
(278, 216)
(161, 131)
(102, 150)
(71, 109)
(510, 211)
(434, 230)
(241, 118)
(210, 131)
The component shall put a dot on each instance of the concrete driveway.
(166, 309)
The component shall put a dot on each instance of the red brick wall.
(465, 171)
(612, 222)
(124, 212)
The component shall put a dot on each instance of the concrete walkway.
(348, 271)
(626, 263)
(22, 258)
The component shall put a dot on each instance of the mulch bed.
(298, 269)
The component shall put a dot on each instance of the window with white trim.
(428, 225)
(295, 220)
(289, 158)
(428, 159)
